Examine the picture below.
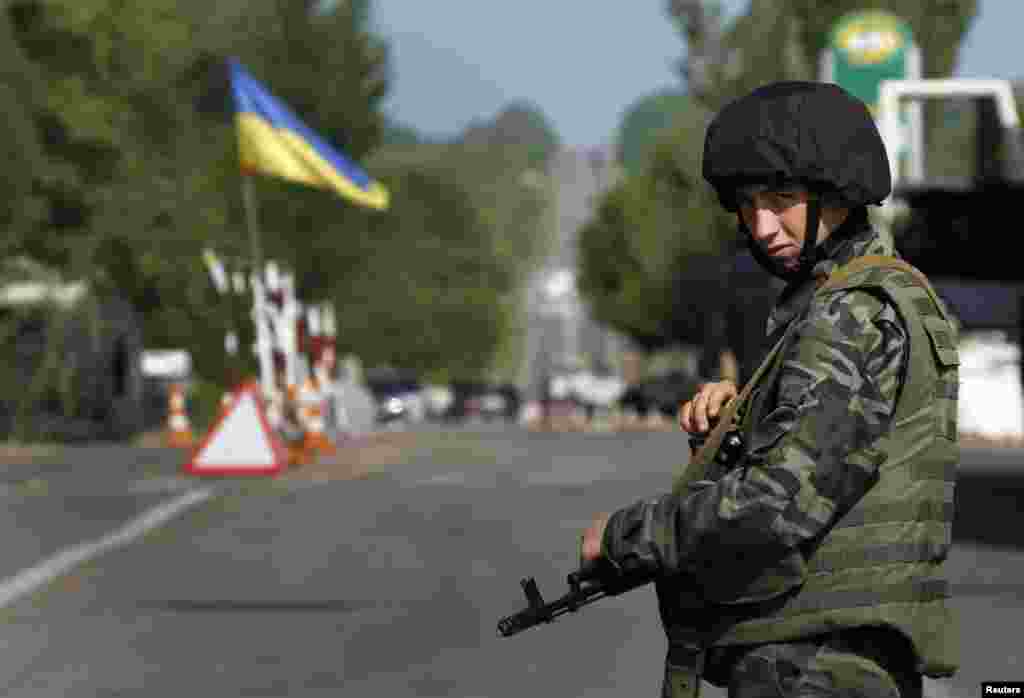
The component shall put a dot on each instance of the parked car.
(484, 401)
(399, 397)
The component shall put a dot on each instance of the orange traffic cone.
(179, 431)
(292, 417)
(315, 441)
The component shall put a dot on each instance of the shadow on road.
(258, 606)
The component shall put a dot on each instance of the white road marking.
(160, 485)
(445, 479)
(32, 578)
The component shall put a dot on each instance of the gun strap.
(685, 662)
(684, 667)
(729, 417)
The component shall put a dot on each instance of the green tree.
(117, 182)
(21, 93)
(120, 122)
(643, 123)
(725, 62)
(522, 125)
(659, 232)
(427, 295)
(331, 70)
(938, 27)
(504, 187)
(701, 27)
(508, 184)
(510, 209)
(612, 277)
(661, 235)
(398, 133)
(651, 238)
(122, 183)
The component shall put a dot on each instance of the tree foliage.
(331, 71)
(520, 124)
(725, 62)
(651, 237)
(643, 123)
(938, 26)
(428, 292)
(123, 167)
(655, 238)
(729, 61)
(120, 188)
(496, 179)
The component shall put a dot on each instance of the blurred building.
(561, 335)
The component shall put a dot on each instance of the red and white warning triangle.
(241, 441)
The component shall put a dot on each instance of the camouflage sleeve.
(837, 393)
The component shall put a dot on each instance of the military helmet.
(813, 133)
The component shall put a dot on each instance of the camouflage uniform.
(808, 669)
(812, 563)
(837, 394)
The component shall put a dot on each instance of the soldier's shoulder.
(881, 270)
(876, 284)
(853, 312)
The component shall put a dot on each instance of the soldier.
(806, 558)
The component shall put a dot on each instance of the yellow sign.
(871, 38)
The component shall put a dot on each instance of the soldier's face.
(777, 220)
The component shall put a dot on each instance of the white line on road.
(30, 579)
(445, 479)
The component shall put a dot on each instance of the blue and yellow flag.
(272, 140)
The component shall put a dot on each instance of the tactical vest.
(879, 563)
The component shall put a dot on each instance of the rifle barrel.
(535, 615)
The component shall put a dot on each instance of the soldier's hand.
(590, 541)
(695, 415)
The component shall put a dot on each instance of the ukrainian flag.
(272, 140)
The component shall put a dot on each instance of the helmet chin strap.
(808, 254)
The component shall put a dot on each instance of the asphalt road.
(392, 585)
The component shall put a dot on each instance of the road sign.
(866, 48)
(241, 441)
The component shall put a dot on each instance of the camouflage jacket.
(837, 391)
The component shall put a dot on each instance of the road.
(391, 585)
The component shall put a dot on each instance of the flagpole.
(264, 350)
(255, 248)
(260, 120)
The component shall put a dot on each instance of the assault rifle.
(591, 582)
